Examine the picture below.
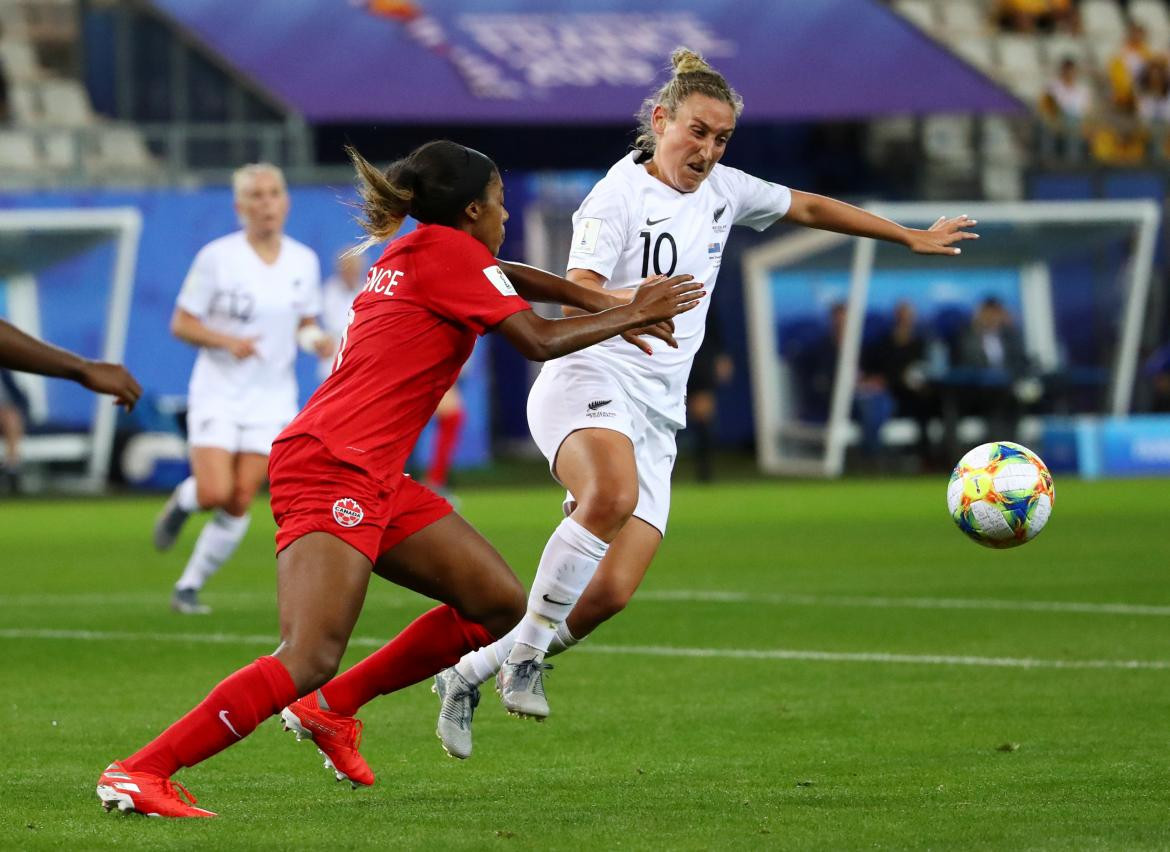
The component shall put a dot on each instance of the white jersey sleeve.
(759, 203)
(198, 290)
(600, 227)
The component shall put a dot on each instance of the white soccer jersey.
(233, 291)
(632, 225)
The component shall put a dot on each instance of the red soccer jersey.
(411, 329)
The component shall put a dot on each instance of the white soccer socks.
(218, 540)
(568, 563)
(185, 496)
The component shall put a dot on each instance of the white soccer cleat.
(186, 602)
(521, 689)
(459, 700)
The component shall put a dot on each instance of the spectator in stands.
(1154, 104)
(997, 383)
(1157, 372)
(12, 430)
(816, 367)
(895, 365)
(1030, 16)
(1126, 66)
(1066, 104)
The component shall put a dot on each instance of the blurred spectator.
(1117, 137)
(12, 404)
(712, 367)
(1066, 104)
(1157, 371)
(994, 369)
(895, 364)
(1154, 104)
(817, 370)
(1030, 16)
(337, 294)
(1126, 66)
(816, 367)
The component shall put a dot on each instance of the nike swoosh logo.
(651, 222)
(558, 603)
(223, 718)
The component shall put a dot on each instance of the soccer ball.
(1000, 494)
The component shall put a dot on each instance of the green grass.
(642, 751)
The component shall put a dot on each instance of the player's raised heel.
(521, 689)
(459, 700)
(337, 738)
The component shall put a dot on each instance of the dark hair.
(691, 75)
(434, 183)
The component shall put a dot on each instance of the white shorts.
(587, 396)
(215, 429)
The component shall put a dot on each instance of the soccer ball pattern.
(1000, 494)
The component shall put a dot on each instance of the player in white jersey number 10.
(250, 299)
(606, 417)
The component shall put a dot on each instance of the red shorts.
(314, 491)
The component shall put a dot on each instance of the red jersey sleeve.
(473, 290)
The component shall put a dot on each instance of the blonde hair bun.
(686, 61)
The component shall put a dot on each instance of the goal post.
(1027, 250)
(32, 241)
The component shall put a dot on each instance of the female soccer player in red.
(342, 504)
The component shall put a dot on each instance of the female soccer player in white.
(606, 417)
(249, 300)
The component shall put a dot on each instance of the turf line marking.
(901, 603)
(228, 599)
(629, 650)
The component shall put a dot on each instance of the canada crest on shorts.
(348, 512)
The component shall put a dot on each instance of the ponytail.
(385, 198)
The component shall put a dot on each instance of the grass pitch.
(828, 666)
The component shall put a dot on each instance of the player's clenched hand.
(661, 300)
(113, 379)
(242, 347)
(940, 238)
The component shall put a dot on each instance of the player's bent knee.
(606, 510)
(502, 610)
(212, 496)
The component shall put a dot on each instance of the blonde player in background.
(250, 299)
(606, 417)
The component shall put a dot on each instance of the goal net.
(67, 276)
(1075, 276)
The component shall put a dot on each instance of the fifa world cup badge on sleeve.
(348, 512)
(500, 280)
(585, 237)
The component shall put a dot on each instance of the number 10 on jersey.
(664, 237)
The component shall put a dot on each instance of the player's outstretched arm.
(540, 339)
(24, 353)
(828, 214)
(536, 285)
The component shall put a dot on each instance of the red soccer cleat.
(337, 738)
(147, 794)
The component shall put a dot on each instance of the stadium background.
(152, 103)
